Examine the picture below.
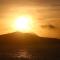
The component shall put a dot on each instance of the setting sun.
(23, 23)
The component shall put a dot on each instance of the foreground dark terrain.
(27, 46)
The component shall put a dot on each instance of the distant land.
(40, 48)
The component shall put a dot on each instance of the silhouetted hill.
(40, 48)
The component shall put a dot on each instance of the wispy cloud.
(47, 26)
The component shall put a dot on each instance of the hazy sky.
(46, 13)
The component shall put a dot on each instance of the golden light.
(23, 23)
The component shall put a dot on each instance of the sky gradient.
(46, 13)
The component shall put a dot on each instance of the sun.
(23, 23)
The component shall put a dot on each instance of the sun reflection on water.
(23, 54)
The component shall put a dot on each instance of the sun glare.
(23, 23)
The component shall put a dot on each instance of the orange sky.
(45, 13)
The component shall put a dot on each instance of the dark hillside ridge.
(40, 48)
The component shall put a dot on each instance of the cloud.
(48, 26)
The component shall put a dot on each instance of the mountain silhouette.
(40, 48)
